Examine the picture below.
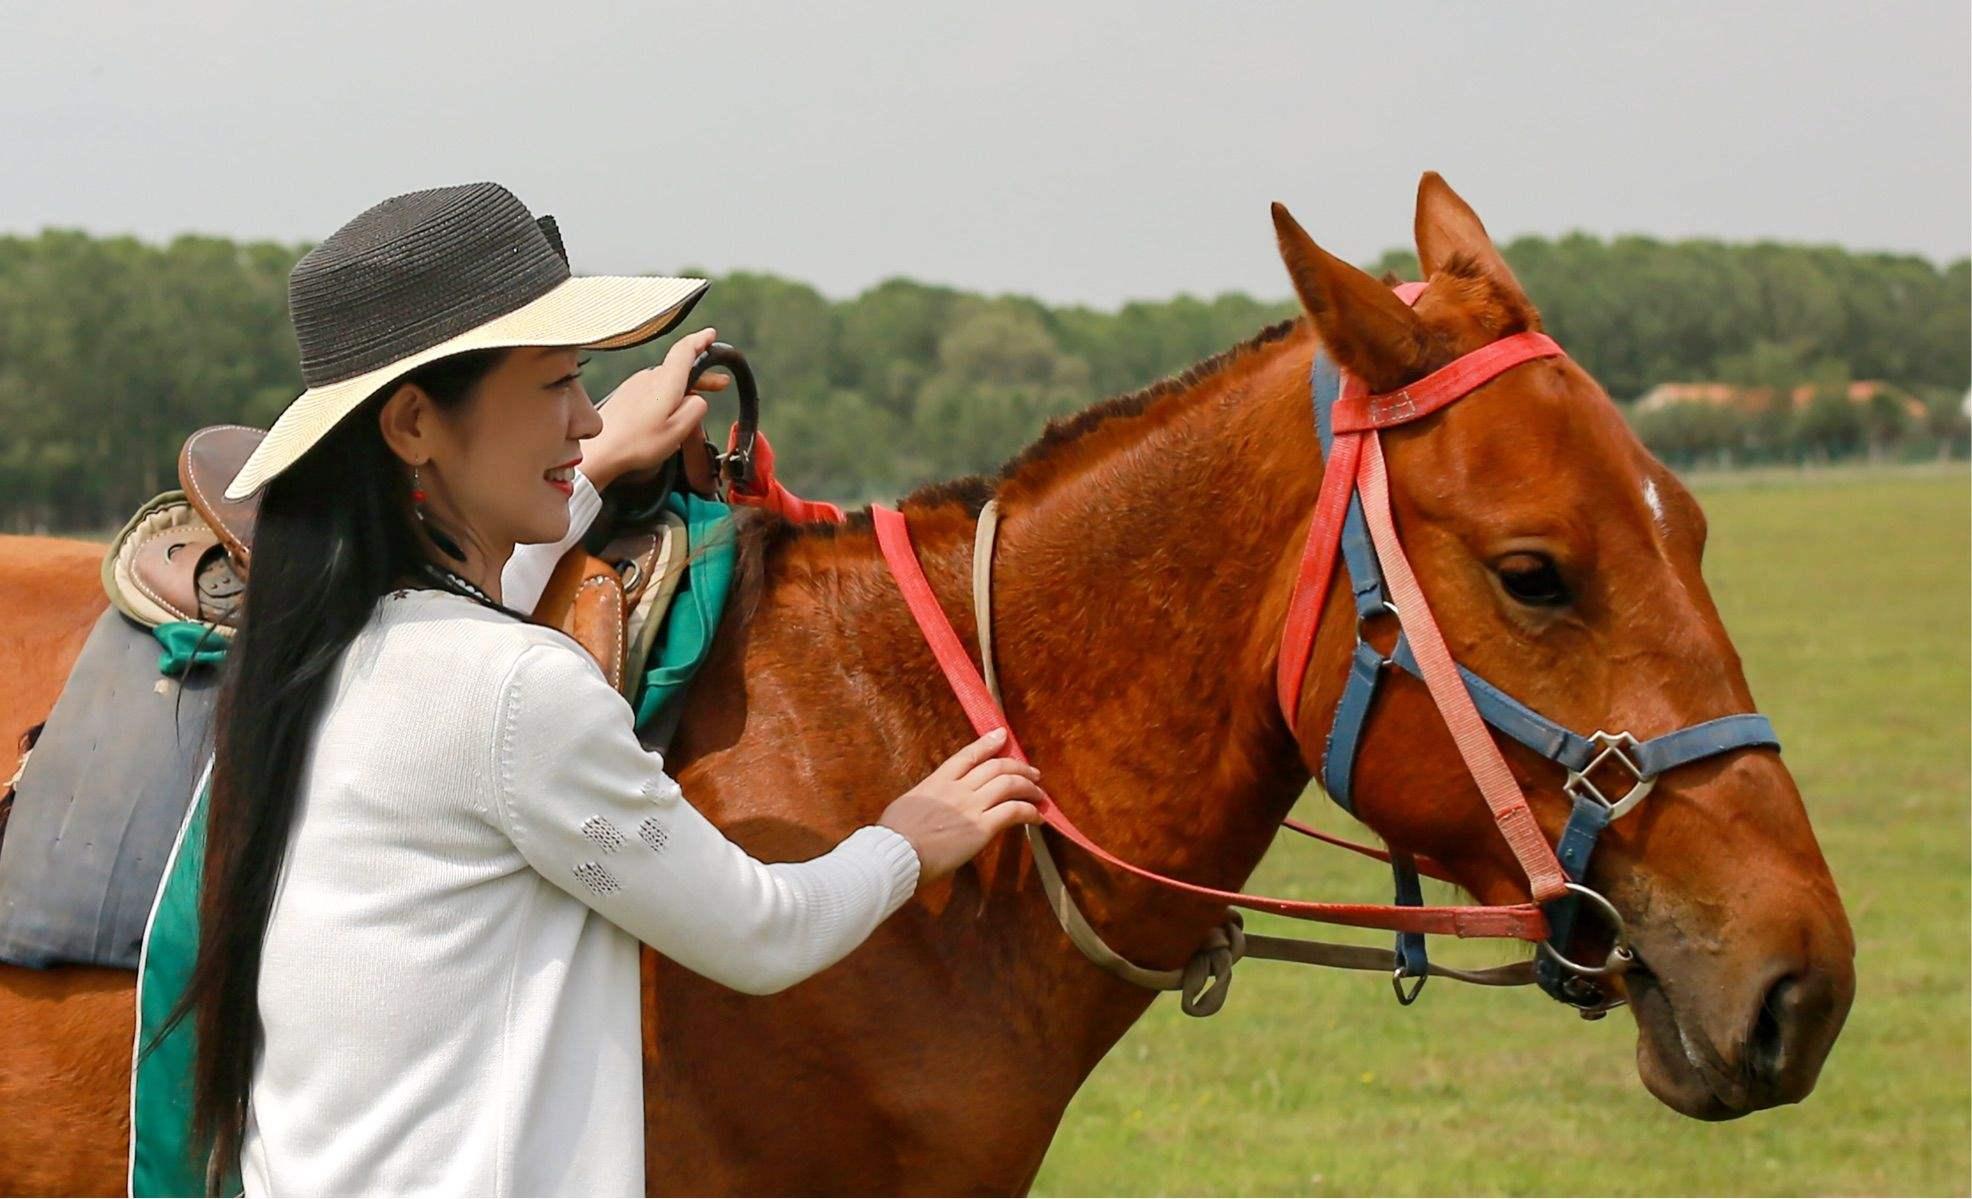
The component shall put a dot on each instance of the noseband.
(1352, 519)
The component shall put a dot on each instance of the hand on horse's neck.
(1135, 626)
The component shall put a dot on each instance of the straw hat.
(432, 273)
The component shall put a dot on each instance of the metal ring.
(631, 571)
(1397, 978)
(1620, 955)
(1389, 609)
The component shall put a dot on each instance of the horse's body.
(1146, 555)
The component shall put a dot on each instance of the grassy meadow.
(1847, 595)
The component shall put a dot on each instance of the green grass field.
(1847, 595)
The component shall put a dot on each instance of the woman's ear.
(405, 420)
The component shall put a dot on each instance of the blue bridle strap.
(1358, 554)
(1573, 752)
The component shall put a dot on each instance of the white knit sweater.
(449, 990)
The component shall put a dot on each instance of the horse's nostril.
(1766, 1047)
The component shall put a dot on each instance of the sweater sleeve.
(528, 568)
(594, 812)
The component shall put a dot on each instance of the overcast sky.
(1074, 151)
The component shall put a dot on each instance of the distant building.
(1753, 400)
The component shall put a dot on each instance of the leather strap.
(584, 598)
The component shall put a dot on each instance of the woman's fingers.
(956, 766)
(683, 352)
(1006, 815)
(691, 345)
(993, 767)
(690, 411)
(1008, 787)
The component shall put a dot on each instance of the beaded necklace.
(455, 581)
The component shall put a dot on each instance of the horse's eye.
(1532, 579)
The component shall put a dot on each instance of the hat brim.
(590, 312)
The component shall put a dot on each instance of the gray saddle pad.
(99, 802)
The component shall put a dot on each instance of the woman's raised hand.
(959, 807)
(651, 414)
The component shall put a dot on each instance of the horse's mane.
(1057, 440)
(760, 534)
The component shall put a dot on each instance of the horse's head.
(1562, 561)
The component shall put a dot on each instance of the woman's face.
(498, 465)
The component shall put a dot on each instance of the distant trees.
(111, 350)
(1637, 311)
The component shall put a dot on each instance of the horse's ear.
(1447, 230)
(1371, 332)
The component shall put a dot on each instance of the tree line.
(113, 349)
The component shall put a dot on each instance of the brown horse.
(1147, 551)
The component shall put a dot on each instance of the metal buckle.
(1611, 746)
(1620, 954)
(1397, 980)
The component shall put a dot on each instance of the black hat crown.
(415, 271)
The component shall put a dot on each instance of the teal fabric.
(182, 652)
(163, 1159)
(686, 639)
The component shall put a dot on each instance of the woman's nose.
(587, 423)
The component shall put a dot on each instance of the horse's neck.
(1137, 611)
(1138, 590)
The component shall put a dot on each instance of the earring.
(445, 544)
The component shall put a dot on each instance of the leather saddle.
(185, 555)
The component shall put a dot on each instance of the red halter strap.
(1355, 466)
(1359, 413)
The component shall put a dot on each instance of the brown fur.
(1146, 556)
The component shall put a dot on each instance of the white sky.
(1075, 151)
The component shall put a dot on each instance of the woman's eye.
(1532, 579)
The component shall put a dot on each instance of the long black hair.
(335, 532)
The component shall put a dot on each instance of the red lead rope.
(893, 534)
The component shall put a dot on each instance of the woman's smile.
(562, 478)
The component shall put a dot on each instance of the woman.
(434, 840)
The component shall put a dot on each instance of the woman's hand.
(962, 805)
(651, 414)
